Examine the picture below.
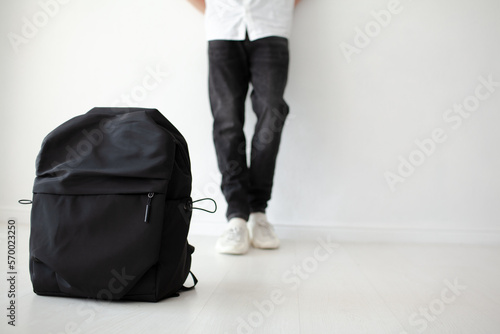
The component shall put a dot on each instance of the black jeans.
(232, 66)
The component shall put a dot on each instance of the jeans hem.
(237, 215)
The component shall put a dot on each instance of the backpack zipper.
(148, 207)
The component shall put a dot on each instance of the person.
(247, 44)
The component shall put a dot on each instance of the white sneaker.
(261, 232)
(235, 239)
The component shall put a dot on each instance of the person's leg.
(228, 87)
(269, 60)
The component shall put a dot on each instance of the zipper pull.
(148, 207)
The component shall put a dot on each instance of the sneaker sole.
(264, 246)
(232, 251)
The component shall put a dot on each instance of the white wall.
(350, 119)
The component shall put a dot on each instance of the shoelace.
(234, 233)
(267, 229)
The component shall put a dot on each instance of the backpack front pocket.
(94, 246)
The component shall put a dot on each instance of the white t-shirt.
(231, 19)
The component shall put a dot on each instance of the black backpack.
(112, 208)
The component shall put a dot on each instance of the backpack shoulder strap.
(195, 280)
